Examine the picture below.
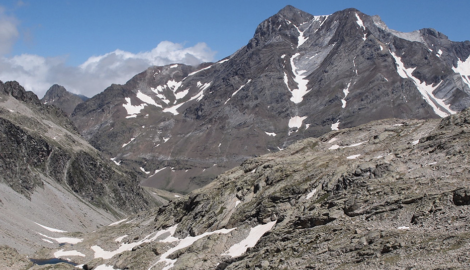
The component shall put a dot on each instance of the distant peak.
(294, 14)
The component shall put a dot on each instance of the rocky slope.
(390, 194)
(58, 96)
(299, 76)
(52, 178)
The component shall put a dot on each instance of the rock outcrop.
(390, 194)
(58, 96)
(51, 175)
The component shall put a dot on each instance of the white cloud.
(8, 31)
(37, 73)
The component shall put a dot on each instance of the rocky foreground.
(391, 194)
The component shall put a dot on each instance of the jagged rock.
(299, 76)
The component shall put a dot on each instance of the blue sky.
(75, 43)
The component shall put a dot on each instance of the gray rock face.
(58, 96)
(61, 178)
(390, 194)
(299, 76)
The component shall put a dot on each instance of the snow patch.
(124, 145)
(62, 253)
(197, 71)
(299, 78)
(310, 195)
(301, 39)
(100, 253)
(463, 68)
(157, 171)
(142, 169)
(132, 111)
(404, 228)
(237, 203)
(182, 243)
(335, 126)
(439, 53)
(50, 229)
(59, 240)
(270, 133)
(181, 94)
(415, 142)
(334, 147)
(346, 92)
(426, 90)
(117, 222)
(147, 99)
(353, 156)
(119, 239)
(296, 121)
(250, 241)
(359, 22)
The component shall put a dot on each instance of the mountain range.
(318, 145)
(299, 76)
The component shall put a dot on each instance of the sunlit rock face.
(299, 76)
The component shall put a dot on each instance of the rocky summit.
(58, 96)
(390, 194)
(299, 76)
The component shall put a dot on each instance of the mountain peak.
(58, 96)
(295, 15)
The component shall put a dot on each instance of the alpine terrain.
(299, 76)
(51, 175)
(327, 142)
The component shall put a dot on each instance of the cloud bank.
(37, 73)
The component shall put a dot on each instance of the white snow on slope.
(61, 253)
(142, 169)
(147, 99)
(100, 253)
(353, 156)
(59, 240)
(197, 71)
(50, 229)
(439, 53)
(463, 68)
(119, 239)
(301, 39)
(296, 121)
(425, 90)
(182, 243)
(270, 133)
(117, 163)
(132, 111)
(124, 145)
(240, 88)
(117, 222)
(198, 97)
(157, 171)
(359, 22)
(104, 267)
(346, 92)
(250, 241)
(311, 193)
(299, 77)
(335, 126)
(181, 94)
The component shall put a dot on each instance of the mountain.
(299, 76)
(58, 96)
(390, 194)
(50, 177)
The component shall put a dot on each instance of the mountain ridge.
(299, 76)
